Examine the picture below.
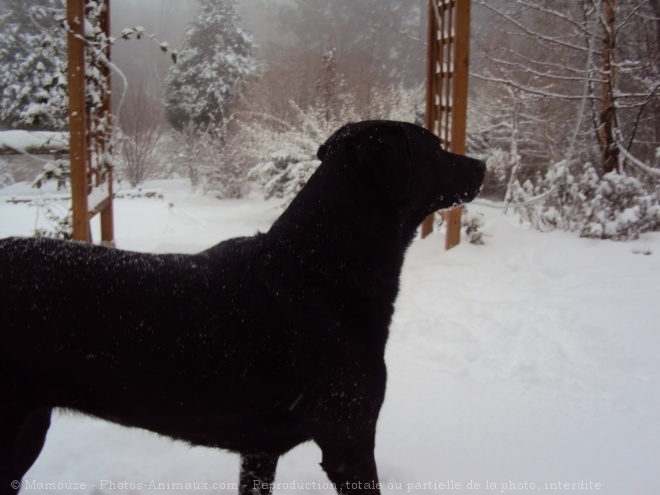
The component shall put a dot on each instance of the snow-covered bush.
(499, 164)
(6, 177)
(212, 158)
(139, 157)
(59, 218)
(472, 225)
(285, 152)
(284, 175)
(622, 209)
(57, 170)
(557, 200)
(140, 139)
(615, 206)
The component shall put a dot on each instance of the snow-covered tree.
(217, 55)
(33, 60)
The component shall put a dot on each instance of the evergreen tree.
(33, 60)
(216, 57)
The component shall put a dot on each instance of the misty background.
(562, 95)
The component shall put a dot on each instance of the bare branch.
(631, 15)
(636, 161)
(549, 75)
(557, 14)
(534, 91)
(530, 32)
(556, 66)
(639, 115)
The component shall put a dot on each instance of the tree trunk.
(609, 150)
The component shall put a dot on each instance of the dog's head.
(407, 165)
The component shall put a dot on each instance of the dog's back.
(131, 336)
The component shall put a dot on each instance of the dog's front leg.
(352, 468)
(21, 440)
(257, 473)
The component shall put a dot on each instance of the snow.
(529, 361)
(88, 28)
(97, 196)
(24, 141)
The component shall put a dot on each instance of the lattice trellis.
(89, 121)
(446, 88)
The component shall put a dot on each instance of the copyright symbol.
(15, 484)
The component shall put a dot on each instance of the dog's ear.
(333, 141)
(322, 152)
(385, 151)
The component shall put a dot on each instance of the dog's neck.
(359, 252)
(322, 222)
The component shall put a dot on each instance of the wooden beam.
(431, 90)
(107, 215)
(460, 86)
(78, 119)
(459, 107)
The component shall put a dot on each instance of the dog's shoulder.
(236, 248)
(247, 259)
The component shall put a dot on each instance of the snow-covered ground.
(527, 365)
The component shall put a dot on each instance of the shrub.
(615, 206)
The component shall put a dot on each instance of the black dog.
(254, 345)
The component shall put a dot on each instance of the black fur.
(254, 345)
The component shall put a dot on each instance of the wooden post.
(461, 69)
(432, 59)
(78, 119)
(107, 216)
(459, 107)
(447, 89)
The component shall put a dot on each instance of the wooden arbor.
(447, 87)
(91, 171)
